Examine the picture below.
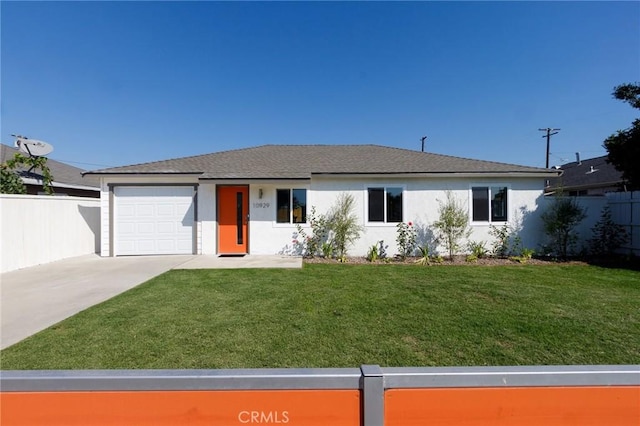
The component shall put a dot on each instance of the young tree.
(452, 224)
(343, 224)
(608, 236)
(624, 146)
(560, 220)
(10, 182)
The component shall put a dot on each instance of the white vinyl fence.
(593, 206)
(625, 211)
(38, 229)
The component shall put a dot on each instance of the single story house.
(250, 201)
(67, 180)
(594, 176)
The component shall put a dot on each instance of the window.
(291, 206)
(489, 204)
(385, 205)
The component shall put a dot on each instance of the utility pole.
(423, 139)
(550, 132)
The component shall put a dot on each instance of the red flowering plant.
(309, 245)
(406, 239)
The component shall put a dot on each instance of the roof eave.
(156, 173)
(589, 185)
(31, 181)
(532, 174)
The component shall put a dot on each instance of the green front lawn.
(347, 315)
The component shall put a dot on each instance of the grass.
(347, 315)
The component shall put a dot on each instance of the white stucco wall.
(265, 235)
(39, 229)
(420, 199)
(207, 224)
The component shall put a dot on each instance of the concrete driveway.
(35, 298)
(38, 297)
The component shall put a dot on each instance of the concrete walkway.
(248, 261)
(38, 297)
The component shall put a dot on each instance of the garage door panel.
(184, 245)
(127, 211)
(166, 228)
(154, 220)
(127, 227)
(144, 210)
(167, 210)
(146, 228)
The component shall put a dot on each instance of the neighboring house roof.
(64, 175)
(587, 174)
(302, 161)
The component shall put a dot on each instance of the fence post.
(373, 395)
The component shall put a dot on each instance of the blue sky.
(116, 83)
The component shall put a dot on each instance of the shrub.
(423, 259)
(343, 225)
(500, 246)
(559, 221)
(452, 223)
(327, 250)
(525, 256)
(478, 249)
(372, 254)
(406, 239)
(382, 250)
(608, 236)
(312, 244)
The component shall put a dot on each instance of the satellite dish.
(33, 147)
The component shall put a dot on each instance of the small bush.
(343, 225)
(452, 223)
(500, 246)
(372, 254)
(560, 220)
(310, 245)
(327, 250)
(406, 239)
(478, 249)
(424, 256)
(608, 236)
(524, 257)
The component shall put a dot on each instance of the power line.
(550, 132)
(79, 162)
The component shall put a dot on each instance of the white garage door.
(153, 220)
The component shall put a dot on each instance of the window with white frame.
(384, 204)
(489, 203)
(291, 206)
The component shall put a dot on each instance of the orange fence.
(369, 396)
(159, 408)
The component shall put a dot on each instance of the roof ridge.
(155, 162)
(472, 159)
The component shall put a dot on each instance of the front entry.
(233, 215)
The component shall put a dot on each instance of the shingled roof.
(587, 174)
(64, 174)
(302, 161)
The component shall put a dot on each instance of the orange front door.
(233, 216)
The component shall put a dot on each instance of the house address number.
(261, 205)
